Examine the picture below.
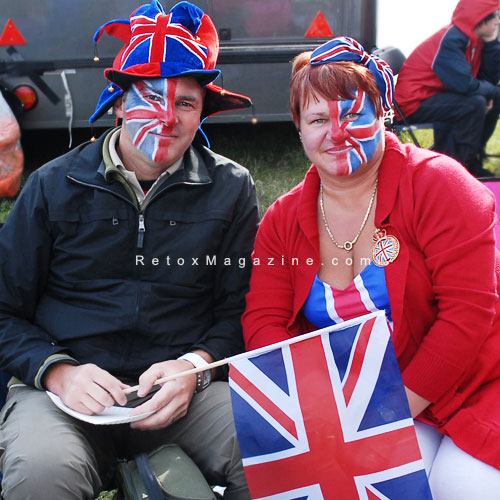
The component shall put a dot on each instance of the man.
(124, 261)
(451, 78)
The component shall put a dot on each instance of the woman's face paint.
(341, 136)
(162, 116)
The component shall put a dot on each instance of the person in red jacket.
(316, 261)
(451, 79)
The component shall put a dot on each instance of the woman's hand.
(171, 402)
(84, 388)
(416, 402)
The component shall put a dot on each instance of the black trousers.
(463, 126)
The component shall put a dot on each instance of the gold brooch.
(386, 248)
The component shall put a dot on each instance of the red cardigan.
(442, 286)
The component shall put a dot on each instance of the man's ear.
(119, 107)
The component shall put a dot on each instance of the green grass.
(272, 153)
(425, 137)
(106, 495)
(5, 206)
(493, 148)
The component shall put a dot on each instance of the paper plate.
(109, 416)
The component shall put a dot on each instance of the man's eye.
(185, 104)
(153, 97)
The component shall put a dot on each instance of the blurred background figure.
(451, 78)
(11, 153)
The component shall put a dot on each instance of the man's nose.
(168, 116)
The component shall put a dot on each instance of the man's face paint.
(341, 136)
(150, 116)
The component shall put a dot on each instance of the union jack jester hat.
(183, 42)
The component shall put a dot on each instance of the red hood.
(469, 13)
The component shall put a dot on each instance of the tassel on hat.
(183, 42)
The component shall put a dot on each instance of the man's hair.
(330, 80)
(488, 18)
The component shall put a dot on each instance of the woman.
(375, 225)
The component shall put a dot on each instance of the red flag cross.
(158, 31)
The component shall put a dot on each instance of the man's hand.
(172, 401)
(84, 388)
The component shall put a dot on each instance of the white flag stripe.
(312, 492)
(289, 404)
(365, 296)
(363, 391)
(297, 446)
(286, 402)
(330, 304)
(362, 482)
(350, 415)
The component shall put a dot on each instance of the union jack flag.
(345, 49)
(386, 249)
(325, 416)
(153, 33)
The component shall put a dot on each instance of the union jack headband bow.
(344, 48)
(183, 42)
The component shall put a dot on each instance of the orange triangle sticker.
(11, 35)
(319, 28)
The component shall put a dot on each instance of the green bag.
(166, 473)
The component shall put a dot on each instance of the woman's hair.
(332, 81)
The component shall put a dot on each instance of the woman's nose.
(337, 132)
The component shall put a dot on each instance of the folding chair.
(395, 59)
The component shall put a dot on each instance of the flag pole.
(262, 350)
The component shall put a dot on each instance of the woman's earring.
(300, 136)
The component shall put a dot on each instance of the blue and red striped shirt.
(366, 293)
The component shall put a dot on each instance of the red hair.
(330, 80)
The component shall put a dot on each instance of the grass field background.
(271, 151)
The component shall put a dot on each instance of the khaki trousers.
(47, 454)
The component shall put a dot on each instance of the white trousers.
(453, 473)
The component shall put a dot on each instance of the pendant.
(386, 248)
(347, 246)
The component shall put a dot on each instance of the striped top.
(367, 293)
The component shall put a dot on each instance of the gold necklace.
(347, 246)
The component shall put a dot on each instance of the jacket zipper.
(141, 229)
